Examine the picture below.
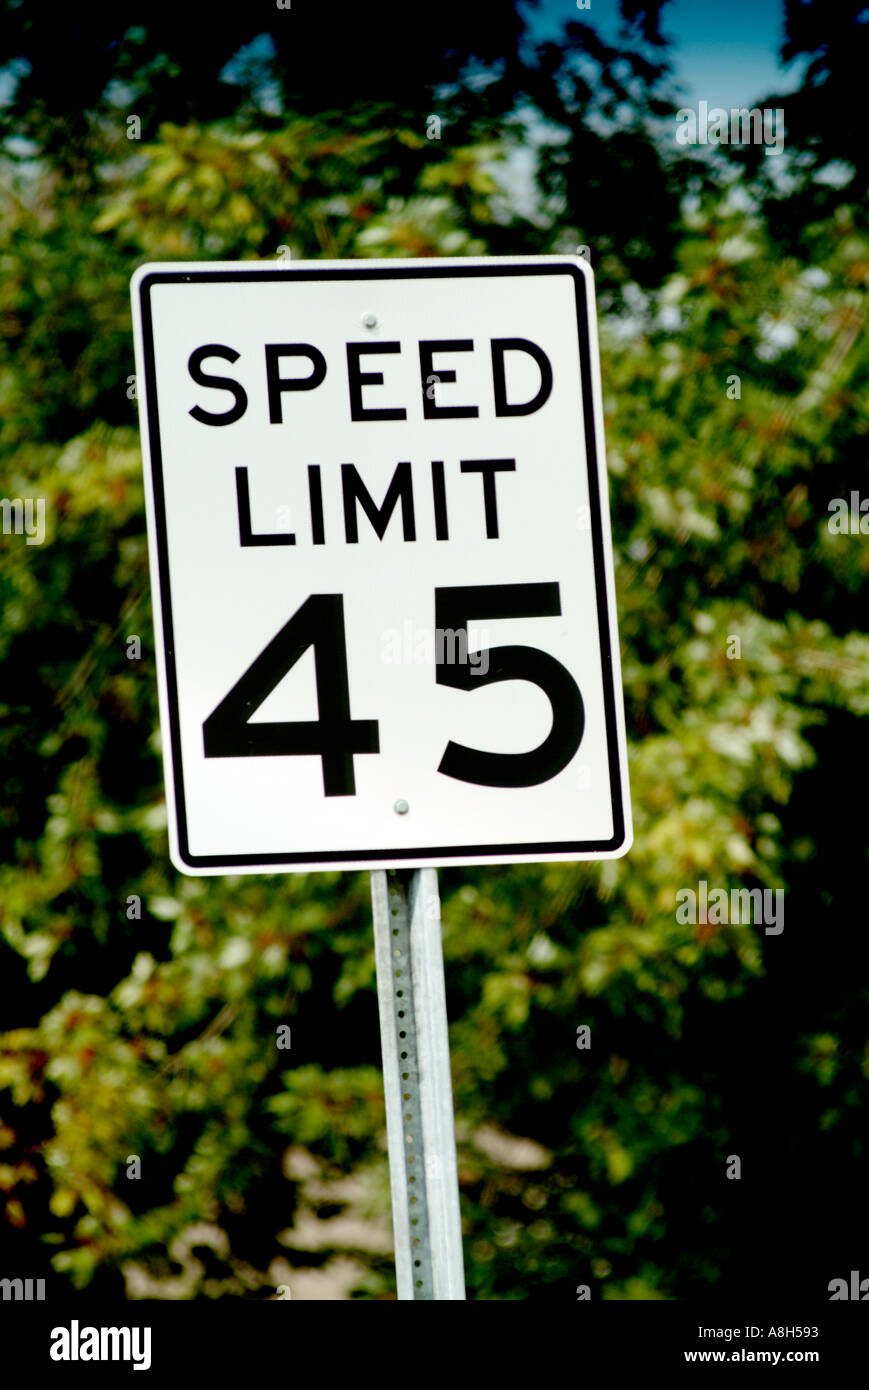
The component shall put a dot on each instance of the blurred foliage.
(141, 1007)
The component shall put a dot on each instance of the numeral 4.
(333, 736)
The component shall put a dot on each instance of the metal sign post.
(417, 1085)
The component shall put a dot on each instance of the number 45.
(336, 738)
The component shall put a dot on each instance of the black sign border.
(362, 858)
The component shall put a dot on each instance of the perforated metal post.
(417, 1084)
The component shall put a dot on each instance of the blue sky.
(723, 53)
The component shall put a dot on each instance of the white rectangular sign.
(381, 563)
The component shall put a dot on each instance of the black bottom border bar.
(228, 1338)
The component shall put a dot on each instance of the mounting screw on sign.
(446, 474)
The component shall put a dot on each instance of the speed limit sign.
(381, 563)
